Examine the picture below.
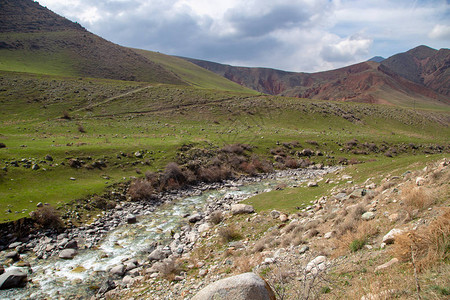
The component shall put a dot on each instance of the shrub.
(291, 163)
(81, 128)
(357, 244)
(429, 244)
(47, 217)
(66, 116)
(216, 217)
(2, 145)
(234, 148)
(214, 173)
(229, 234)
(141, 190)
(173, 176)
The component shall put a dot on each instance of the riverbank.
(48, 245)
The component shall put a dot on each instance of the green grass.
(193, 74)
(122, 116)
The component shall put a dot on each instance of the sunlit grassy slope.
(193, 74)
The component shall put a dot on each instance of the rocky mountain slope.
(425, 80)
(36, 40)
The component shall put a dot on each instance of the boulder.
(240, 287)
(237, 209)
(157, 254)
(12, 279)
(389, 238)
(106, 286)
(316, 265)
(68, 253)
(312, 184)
(14, 255)
(131, 219)
(204, 227)
(368, 216)
(118, 270)
(71, 245)
(195, 218)
(275, 214)
(283, 218)
(387, 265)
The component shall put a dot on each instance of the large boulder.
(240, 287)
(12, 279)
(241, 209)
(389, 238)
(68, 253)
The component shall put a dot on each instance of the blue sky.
(295, 35)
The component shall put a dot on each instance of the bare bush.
(141, 189)
(418, 197)
(216, 217)
(47, 217)
(66, 115)
(429, 244)
(234, 148)
(229, 234)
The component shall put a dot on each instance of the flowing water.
(55, 278)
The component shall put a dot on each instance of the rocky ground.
(65, 245)
(353, 243)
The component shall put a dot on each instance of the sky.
(291, 35)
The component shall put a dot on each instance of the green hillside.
(109, 121)
(193, 74)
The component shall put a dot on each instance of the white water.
(55, 278)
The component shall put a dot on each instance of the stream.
(80, 277)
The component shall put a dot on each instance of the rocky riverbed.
(132, 240)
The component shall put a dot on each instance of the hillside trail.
(114, 98)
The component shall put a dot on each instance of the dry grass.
(418, 197)
(429, 244)
(47, 217)
(353, 239)
(141, 190)
(229, 234)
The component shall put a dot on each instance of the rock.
(394, 217)
(358, 193)
(240, 287)
(312, 184)
(204, 227)
(387, 265)
(303, 249)
(14, 245)
(194, 218)
(157, 254)
(420, 180)
(241, 209)
(316, 265)
(48, 157)
(35, 167)
(131, 219)
(68, 253)
(71, 245)
(12, 279)
(106, 286)
(202, 272)
(368, 216)
(127, 279)
(389, 238)
(388, 294)
(14, 255)
(118, 270)
(275, 214)
(283, 218)
(40, 204)
(328, 235)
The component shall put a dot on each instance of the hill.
(369, 82)
(36, 40)
(423, 65)
(193, 74)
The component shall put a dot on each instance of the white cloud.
(441, 32)
(295, 35)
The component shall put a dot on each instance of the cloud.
(295, 35)
(347, 49)
(441, 32)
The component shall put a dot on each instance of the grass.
(120, 118)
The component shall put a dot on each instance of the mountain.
(425, 82)
(377, 59)
(34, 39)
(423, 65)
